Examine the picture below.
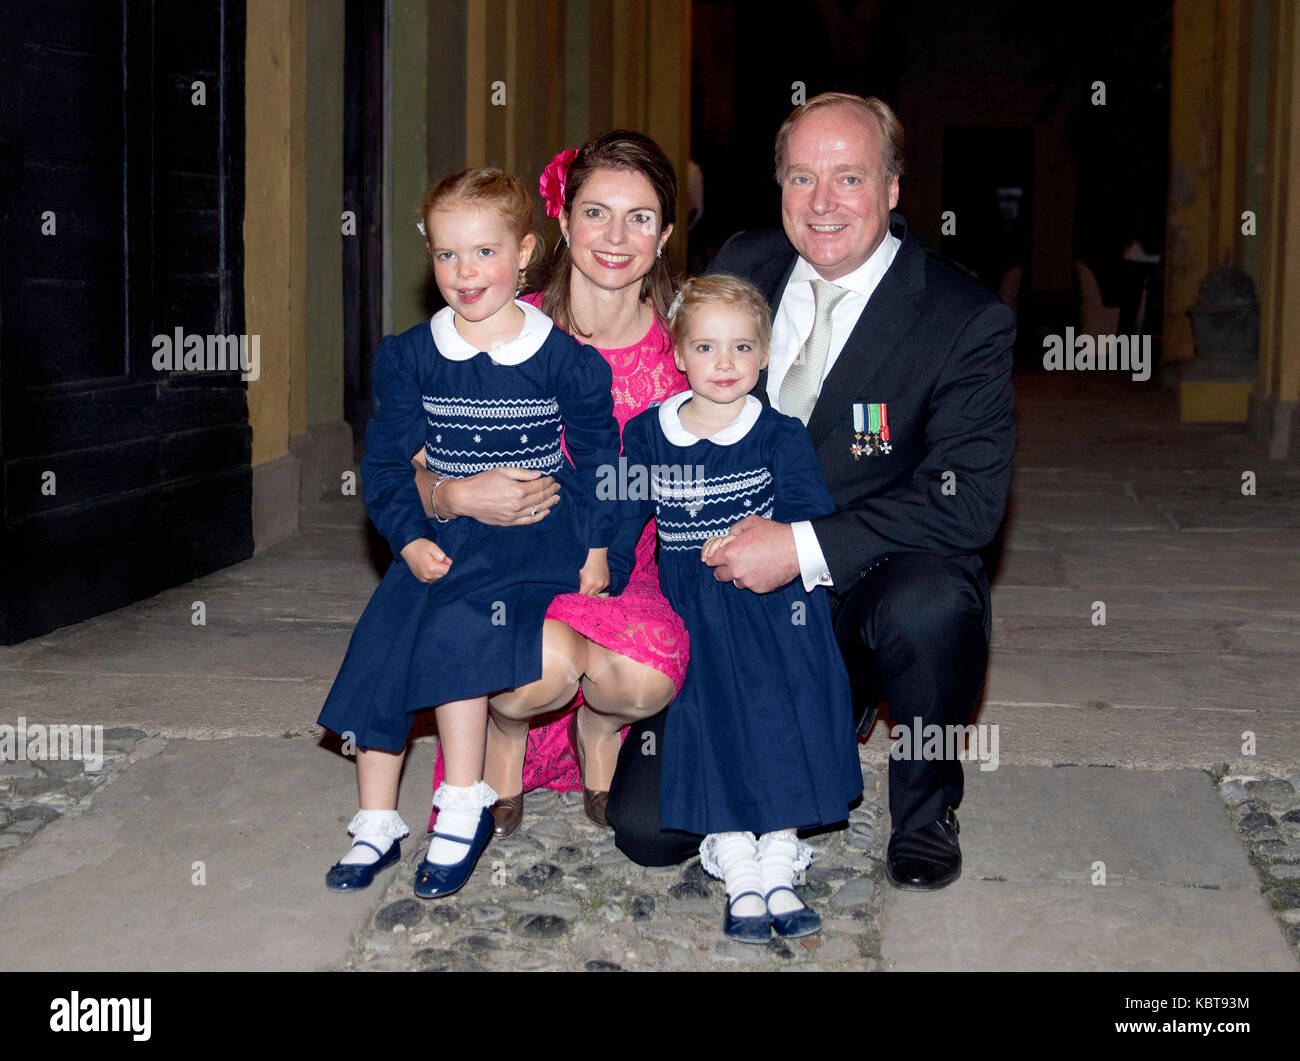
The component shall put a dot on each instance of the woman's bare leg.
(563, 661)
(616, 692)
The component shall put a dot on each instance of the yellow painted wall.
(293, 271)
(323, 324)
(1193, 168)
(409, 151)
(267, 219)
(1280, 219)
(1226, 157)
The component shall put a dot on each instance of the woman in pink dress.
(623, 658)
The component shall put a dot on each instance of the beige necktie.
(803, 381)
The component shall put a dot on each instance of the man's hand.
(427, 562)
(757, 554)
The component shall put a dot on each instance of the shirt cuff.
(812, 563)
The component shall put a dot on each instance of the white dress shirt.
(790, 329)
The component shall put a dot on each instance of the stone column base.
(326, 453)
(1271, 425)
(276, 493)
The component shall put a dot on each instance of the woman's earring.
(659, 253)
(566, 241)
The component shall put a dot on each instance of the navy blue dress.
(761, 736)
(478, 629)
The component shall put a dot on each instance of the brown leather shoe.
(593, 802)
(506, 815)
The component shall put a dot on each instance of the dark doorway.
(988, 175)
(121, 157)
(363, 173)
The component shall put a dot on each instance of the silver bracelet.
(433, 502)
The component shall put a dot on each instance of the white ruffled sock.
(459, 810)
(780, 857)
(731, 858)
(383, 828)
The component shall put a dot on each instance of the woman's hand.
(594, 576)
(500, 497)
(424, 480)
(427, 562)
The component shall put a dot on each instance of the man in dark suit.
(901, 367)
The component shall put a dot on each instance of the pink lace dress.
(639, 623)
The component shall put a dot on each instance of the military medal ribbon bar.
(870, 429)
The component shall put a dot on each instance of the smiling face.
(614, 227)
(835, 194)
(476, 260)
(720, 352)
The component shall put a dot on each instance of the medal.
(870, 429)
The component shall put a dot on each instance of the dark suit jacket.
(937, 348)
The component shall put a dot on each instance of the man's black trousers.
(914, 632)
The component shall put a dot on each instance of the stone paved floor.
(1265, 811)
(35, 792)
(559, 896)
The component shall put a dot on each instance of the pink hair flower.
(551, 183)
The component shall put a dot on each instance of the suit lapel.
(889, 314)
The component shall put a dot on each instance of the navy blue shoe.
(757, 929)
(432, 880)
(341, 878)
(801, 922)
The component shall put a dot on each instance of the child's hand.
(594, 575)
(710, 547)
(427, 562)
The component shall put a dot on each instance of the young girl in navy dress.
(760, 740)
(488, 382)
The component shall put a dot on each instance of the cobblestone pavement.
(559, 896)
(36, 792)
(1266, 814)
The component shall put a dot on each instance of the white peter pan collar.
(455, 347)
(671, 423)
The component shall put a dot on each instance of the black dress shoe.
(926, 859)
(868, 720)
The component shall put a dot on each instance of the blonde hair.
(481, 188)
(720, 289)
(891, 129)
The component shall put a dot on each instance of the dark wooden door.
(363, 174)
(121, 157)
